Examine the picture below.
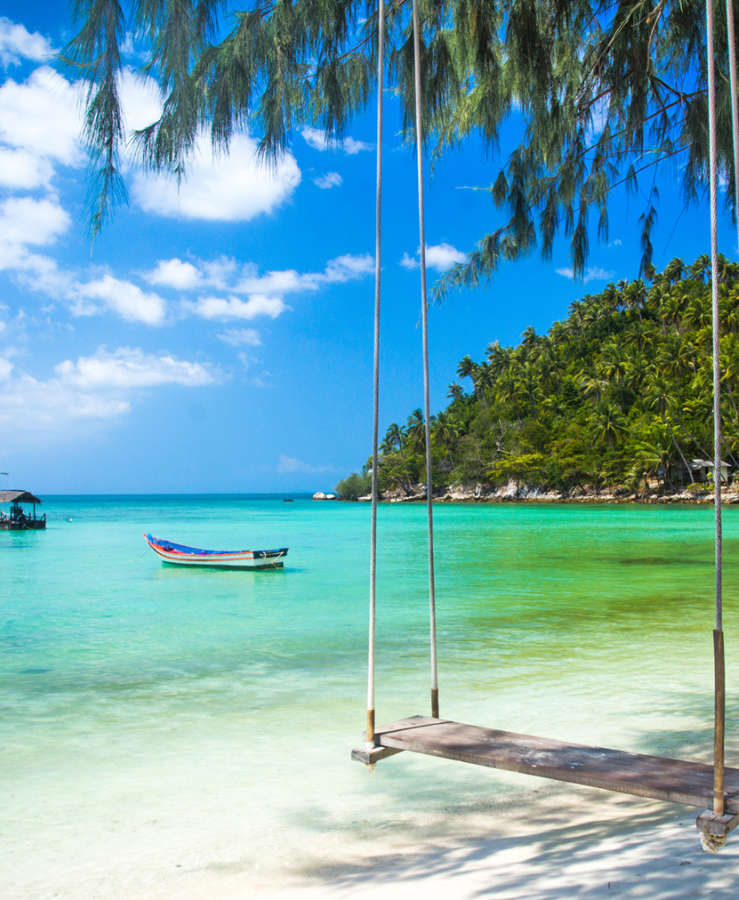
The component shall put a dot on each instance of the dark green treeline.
(617, 395)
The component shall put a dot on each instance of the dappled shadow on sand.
(532, 838)
(569, 844)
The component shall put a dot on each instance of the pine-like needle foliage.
(607, 93)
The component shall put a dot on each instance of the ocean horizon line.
(134, 494)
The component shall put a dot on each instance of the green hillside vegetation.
(617, 395)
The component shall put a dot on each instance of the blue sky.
(219, 338)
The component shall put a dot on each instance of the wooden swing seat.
(658, 778)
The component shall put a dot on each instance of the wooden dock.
(655, 777)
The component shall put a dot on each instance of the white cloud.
(93, 389)
(235, 308)
(141, 101)
(175, 273)
(219, 272)
(239, 337)
(124, 298)
(21, 170)
(236, 187)
(43, 116)
(26, 220)
(348, 267)
(328, 181)
(352, 146)
(29, 404)
(284, 281)
(443, 256)
(592, 273)
(439, 257)
(315, 138)
(340, 269)
(6, 367)
(37, 272)
(17, 43)
(189, 276)
(129, 367)
(288, 464)
(224, 273)
(41, 123)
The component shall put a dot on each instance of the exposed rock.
(514, 491)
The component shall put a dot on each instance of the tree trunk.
(685, 462)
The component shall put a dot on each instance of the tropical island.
(613, 403)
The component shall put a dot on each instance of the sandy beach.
(566, 844)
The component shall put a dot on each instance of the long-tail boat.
(182, 555)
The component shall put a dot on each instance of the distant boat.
(182, 555)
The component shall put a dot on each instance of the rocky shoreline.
(513, 492)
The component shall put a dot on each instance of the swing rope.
(718, 637)
(711, 841)
(424, 325)
(731, 39)
(376, 377)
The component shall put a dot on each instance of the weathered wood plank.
(369, 755)
(655, 777)
(719, 826)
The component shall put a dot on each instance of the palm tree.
(445, 432)
(393, 438)
(415, 431)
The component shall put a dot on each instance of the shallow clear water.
(204, 718)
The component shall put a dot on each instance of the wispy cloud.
(240, 337)
(288, 464)
(315, 138)
(95, 388)
(251, 293)
(592, 273)
(224, 308)
(328, 181)
(130, 367)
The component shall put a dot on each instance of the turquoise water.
(203, 718)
